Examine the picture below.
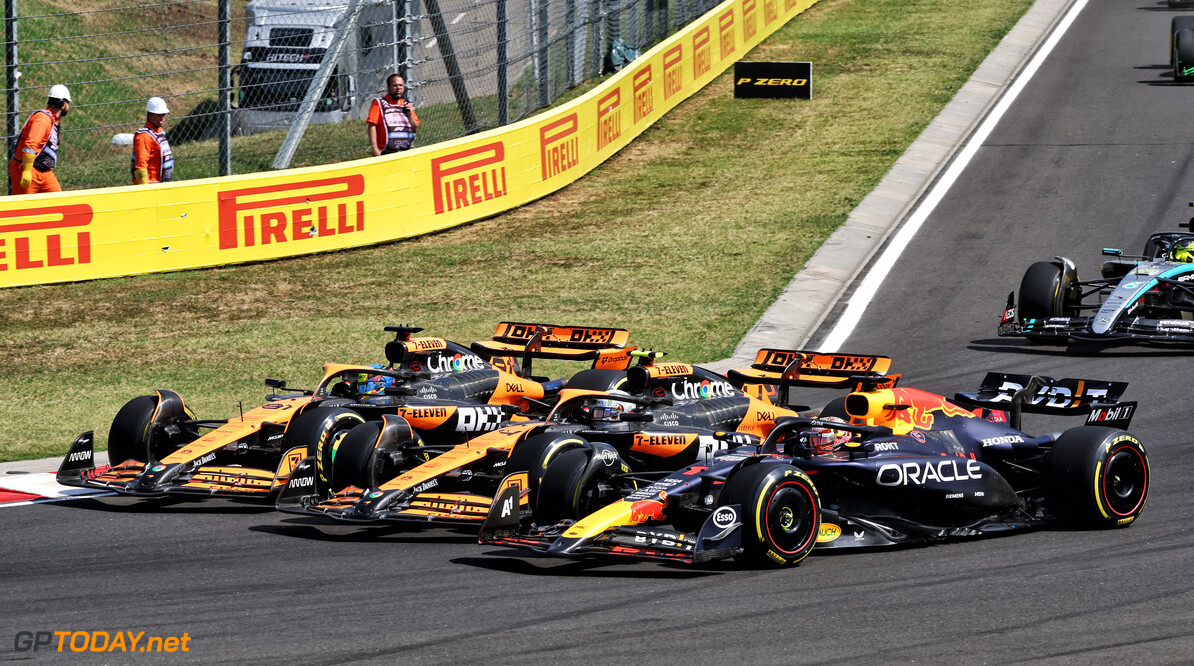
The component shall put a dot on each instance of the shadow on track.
(1078, 349)
(315, 530)
(164, 505)
(589, 568)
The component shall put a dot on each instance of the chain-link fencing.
(269, 84)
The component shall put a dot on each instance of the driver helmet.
(608, 409)
(826, 440)
(1183, 251)
(368, 384)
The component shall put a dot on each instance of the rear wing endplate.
(1061, 397)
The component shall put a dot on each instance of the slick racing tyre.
(533, 454)
(1183, 56)
(321, 430)
(1095, 477)
(572, 488)
(1178, 24)
(781, 512)
(375, 452)
(131, 431)
(1044, 292)
(597, 380)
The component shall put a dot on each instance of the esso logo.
(724, 517)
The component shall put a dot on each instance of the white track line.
(870, 285)
(46, 487)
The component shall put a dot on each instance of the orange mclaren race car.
(661, 417)
(881, 466)
(439, 389)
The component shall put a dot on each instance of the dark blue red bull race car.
(882, 466)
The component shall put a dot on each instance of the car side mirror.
(1113, 252)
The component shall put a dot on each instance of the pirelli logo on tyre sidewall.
(469, 177)
(702, 53)
(750, 24)
(559, 148)
(673, 71)
(644, 93)
(609, 118)
(45, 237)
(291, 211)
(725, 28)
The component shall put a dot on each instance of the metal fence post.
(225, 88)
(544, 63)
(11, 121)
(503, 62)
(455, 76)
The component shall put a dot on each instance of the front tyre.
(1095, 477)
(132, 435)
(321, 430)
(781, 512)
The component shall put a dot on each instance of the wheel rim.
(791, 516)
(1125, 481)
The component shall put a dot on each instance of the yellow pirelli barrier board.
(131, 230)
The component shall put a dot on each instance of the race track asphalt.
(1096, 152)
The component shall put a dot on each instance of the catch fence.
(273, 84)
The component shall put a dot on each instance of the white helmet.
(60, 92)
(156, 105)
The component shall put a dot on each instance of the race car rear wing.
(786, 368)
(1035, 394)
(606, 347)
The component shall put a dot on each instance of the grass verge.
(684, 238)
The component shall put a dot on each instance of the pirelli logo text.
(750, 25)
(609, 118)
(45, 237)
(644, 94)
(702, 53)
(469, 177)
(673, 71)
(770, 11)
(725, 27)
(291, 211)
(559, 148)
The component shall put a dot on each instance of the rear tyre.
(129, 435)
(781, 512)
(1095, 477)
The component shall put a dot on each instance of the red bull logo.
(468, 177)
(749, 24)
(702, 53)
(644, 94)
(45, 237)
(291, 211)
(921, 414)
(770, 12)
(673, 71)
(559, 148)
(609, 118)
(725, 27)
(643, 510)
